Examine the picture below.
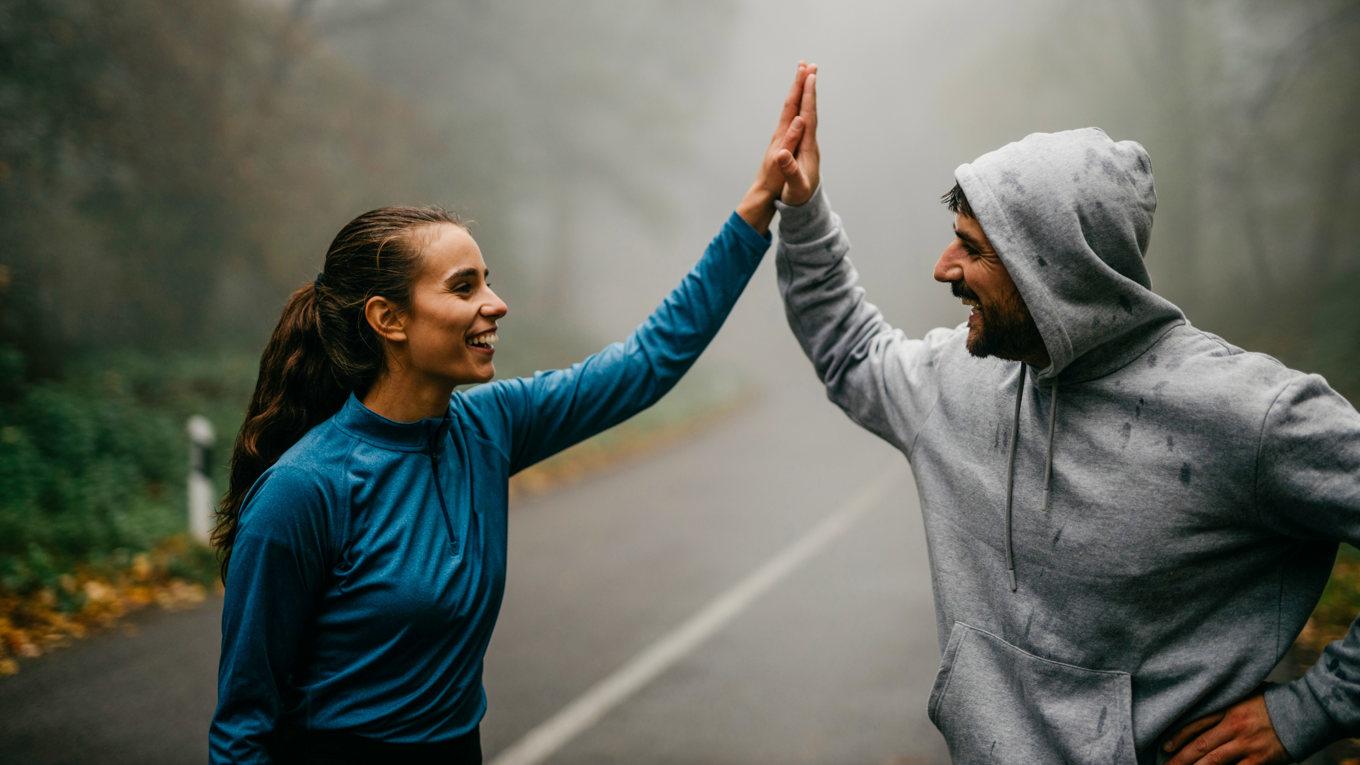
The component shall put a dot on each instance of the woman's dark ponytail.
(323, 348)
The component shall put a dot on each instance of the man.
(1129, 519)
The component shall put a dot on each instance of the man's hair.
(957, 202)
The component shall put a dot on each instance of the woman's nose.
(495, 308)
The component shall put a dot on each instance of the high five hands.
(790, 169)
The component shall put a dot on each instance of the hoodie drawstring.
(1048, 463)
(1010, 469)
(1010, 479)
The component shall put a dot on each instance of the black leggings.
(324, 748)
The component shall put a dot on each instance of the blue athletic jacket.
(369, 561)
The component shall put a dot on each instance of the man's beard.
(1008, 330)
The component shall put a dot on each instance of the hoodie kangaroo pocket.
(997, 703)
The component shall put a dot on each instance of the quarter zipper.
(439, 489)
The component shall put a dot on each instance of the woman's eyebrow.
(466, 273)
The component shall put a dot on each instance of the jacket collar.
(367, 425)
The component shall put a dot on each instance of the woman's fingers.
(792, 102)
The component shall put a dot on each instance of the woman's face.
(451, 325)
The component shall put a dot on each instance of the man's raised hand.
(757, 207)
(802, 171)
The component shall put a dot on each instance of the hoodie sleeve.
(278, 565)
(550, 411)
(882, 379)
(1308, 486)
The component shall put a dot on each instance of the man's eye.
(463, 289)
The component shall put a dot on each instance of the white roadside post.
(201, 439)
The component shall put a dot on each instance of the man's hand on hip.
(1242, 733)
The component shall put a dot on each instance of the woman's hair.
(323, 346)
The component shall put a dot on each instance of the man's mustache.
(961, 290)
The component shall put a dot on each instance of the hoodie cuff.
(807, 222)
(1300, 720)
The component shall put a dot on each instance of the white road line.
(578, 716)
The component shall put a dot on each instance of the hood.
(1070, 215)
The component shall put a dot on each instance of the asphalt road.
(791, 537)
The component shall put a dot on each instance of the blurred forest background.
(169, 172)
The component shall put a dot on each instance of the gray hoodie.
(1121, 542)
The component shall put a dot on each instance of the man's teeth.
(488, 339)
(971, 303)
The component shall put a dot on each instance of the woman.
(364, 531)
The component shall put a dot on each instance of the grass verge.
(48, 599)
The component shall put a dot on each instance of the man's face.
(1000, 325)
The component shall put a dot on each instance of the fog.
(1243, 106)
(169, 176)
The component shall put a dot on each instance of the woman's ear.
(385, 319)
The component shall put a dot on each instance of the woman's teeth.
(484, 340)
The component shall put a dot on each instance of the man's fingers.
(1191, 730)
(808, 107)
(1202, 745)
(793, 101)
(797, 183)
(1229, 752)
(793, 135)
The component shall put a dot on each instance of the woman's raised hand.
(789, 137)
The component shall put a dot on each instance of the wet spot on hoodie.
(1152, 359)
(1185, 473)
(1107, 167)
(1100, 724)
(1138, 410)
(1012, 179)
(1057, 536)
(1170, 444)
(1043, 263)
(1157, 389)
(1126, 304)
(1124, 434)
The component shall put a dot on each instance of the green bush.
(93, 466)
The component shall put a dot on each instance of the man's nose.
(949, 268)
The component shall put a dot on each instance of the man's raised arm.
(882, 379)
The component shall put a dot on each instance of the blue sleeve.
(279, 563)
(545, 413)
